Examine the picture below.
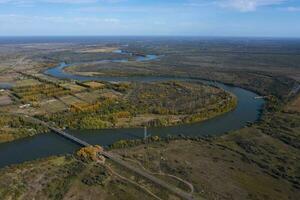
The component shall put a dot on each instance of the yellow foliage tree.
(90, 152)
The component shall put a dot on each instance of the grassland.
(68, 177)
(140, 104)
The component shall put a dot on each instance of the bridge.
(117, 159)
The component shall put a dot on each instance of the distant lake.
(6, 85)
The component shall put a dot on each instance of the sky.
(243, 18)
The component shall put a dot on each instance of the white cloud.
(69, 1)
(199, 3)
(248, 5)
(5, 1)
(15, 18)
(293, 9)
(112, 20)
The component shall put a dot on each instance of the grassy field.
(139, 104)
(69, 178)
(73, 87)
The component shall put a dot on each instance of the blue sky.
(268, 18)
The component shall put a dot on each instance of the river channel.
(247, 111)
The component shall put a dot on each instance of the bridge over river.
(117, 159)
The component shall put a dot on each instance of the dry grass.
(73, 87)
(61, 178)
(70, 100)
(27, 82)
(209, 167)
(294, 106)
(52, 106)
(99, 50)
(5, 100)
(111, 95)
(94, 85)
(89, 97)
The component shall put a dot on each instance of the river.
(43, 145)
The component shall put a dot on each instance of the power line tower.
(145, 132)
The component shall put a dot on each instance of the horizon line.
(188, 36)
